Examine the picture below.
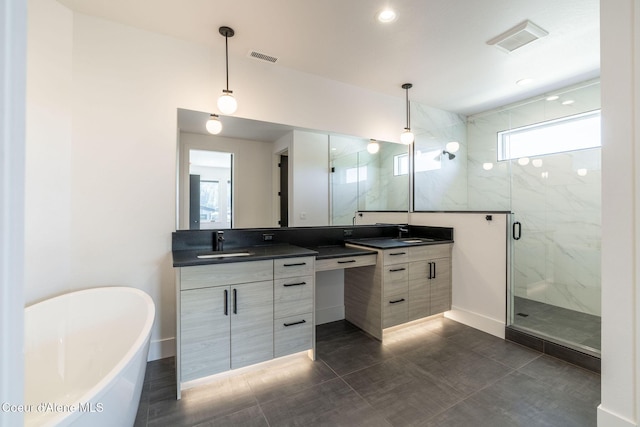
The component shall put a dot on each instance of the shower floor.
(561, 325)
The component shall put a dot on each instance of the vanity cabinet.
(429, 280)
(406, 284)
(226, 317)
(233, 315)
(293, 292)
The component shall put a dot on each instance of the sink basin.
(223, 255)
(416, 240)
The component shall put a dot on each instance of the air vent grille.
(518, 36)
(262, 56)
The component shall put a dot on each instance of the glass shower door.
(555, 248)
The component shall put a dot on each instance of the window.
(428, 161)
(555, 136)
(356, 174)
(401, 164)
(209, 195)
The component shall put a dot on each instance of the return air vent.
(518, 36)
(262, 56)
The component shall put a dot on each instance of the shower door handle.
(517, 230)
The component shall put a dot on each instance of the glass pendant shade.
(227, 104)
(214, 126)
(452, 146)
(373, 147)
(406, 137)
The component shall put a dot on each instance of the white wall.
(13, 37)
(251, 177)
(114, 185)
(620, 38)
(48, 213)
(479, 267)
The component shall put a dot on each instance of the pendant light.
(214, 125)
(407, 136)
(373, 147)
(227, 104)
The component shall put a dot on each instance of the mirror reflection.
(260, 174)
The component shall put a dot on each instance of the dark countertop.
(186, 258)
(391, 243)
(338, 251)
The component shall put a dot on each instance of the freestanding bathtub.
(85, 357)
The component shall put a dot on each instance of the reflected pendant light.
(214, 125)
(373, 147)
(227, 104)
(407, 136)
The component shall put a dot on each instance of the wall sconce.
(227, 103)
(373, 147)
(214, 125)
(407, 136)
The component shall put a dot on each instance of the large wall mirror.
(260, 174)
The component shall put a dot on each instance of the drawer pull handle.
(393, 270)
(346, 262)
(286, 285)
(226, 302)
(398, 253)
(295, 265)
(295, 323)
(396, 301)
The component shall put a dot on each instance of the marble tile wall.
(362, 181)
(557, 261)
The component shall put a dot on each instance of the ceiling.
(438, 45)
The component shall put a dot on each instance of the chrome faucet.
(401, 230)
(219, 240)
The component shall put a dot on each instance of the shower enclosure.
(555, 248)
(540, 161)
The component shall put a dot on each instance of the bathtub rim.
(128, 357)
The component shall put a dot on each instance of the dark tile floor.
(437, 373)
(569, 327)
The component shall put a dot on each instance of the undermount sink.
(416, 240)
(223, 255)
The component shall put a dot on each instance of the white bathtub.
(85, 357)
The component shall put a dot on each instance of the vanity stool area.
(254, 301)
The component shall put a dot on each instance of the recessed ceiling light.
(386, 15)
(568, 102)
(552, 97)
(524, 82)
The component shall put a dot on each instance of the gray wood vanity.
(233, 312)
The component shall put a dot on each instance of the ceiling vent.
(262, 57)
(518, 36)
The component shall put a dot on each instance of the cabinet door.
(204, 332)
(441, 286)
(419, 292)
(251, 323)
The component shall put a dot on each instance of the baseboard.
(477, 321)
(609, 419)
(160, 349)
(330, 314)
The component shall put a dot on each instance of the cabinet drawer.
(345, 262)
(204, 276)
(396, 278)
(394, 310)
(418, 253)
(293, 267)
(292, 334)
(293, 295)
(395, 256)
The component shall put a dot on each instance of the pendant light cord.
(226, 49)
(408, 106)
